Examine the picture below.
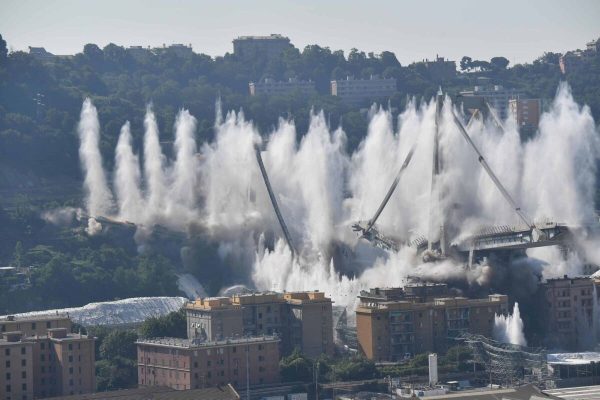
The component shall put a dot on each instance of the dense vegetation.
(39, 167)
(116, 352)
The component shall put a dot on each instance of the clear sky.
(520, 30)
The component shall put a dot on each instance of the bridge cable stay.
(392, 188)
(491, 174)
(494, 115)
(284, 228)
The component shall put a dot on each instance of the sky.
(520, 30)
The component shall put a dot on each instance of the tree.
(93, 53)
(296, 367)
(3, 50)
(465, 63)
(173, 324)
(499, 62)
(119, 344)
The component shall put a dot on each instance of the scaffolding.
(508, 365)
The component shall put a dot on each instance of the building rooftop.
(526, 392)
(32, 318)
(226, 392)
(237, 300)
(194, 344)
(574, 358)
(273, 36)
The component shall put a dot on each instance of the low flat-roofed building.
(574, 369)
(191, 364)
(389, 329)
(360, 91)
(271, 87)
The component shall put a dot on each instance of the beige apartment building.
(571, 303)
(301, 319)
(394, 323)
(192, 364)
(40, 364)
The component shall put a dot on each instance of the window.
(234, 349)
(24, 375)
(23, 350)
(48, 324)
(70, 358)
(24, 386)
(42, 357)
(71, 370)
(70, 382)
(208, 374)
(7, 352)
(33, 326)
(70, 346)
(7, 388)
(8, 376)
(42, 345)
(23, 362)
(43, 369)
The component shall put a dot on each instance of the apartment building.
(526, 113)
(191, 364)
(302, 319)
(57, 363)
(571, 303)
(360, 91)
(271, 87)
(393, 323)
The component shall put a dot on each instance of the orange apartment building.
(192, 364)
(301, 319)
(40, 362)
(393, 323)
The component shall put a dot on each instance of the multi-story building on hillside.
(360, 91)
(267, 47)
(270, 87)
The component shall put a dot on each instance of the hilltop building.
(358, 91)
(268, 47)
(44, 359)
(302, 319)
(272, 87)
(571, 303)
(440, 69)
(571, 60)
(41, 54)
(393, 323)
